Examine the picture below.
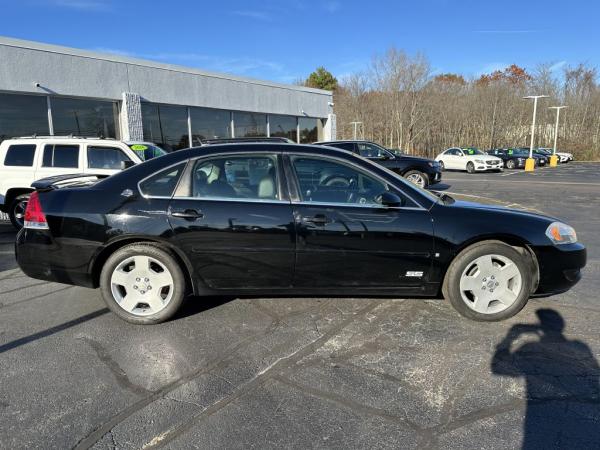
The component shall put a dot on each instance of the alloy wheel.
(142, 285)
(416, 178)
(490, 284)
(19, 212)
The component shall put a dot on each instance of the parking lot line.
(527, 181)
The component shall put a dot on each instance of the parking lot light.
(530, 163)
(554, 158)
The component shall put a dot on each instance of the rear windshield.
(147, 151)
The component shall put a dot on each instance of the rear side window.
(344, 146)
(60, 155)
(105, 157)
(163, 183)
(20, 155)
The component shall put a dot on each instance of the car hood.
(412, 159)
(483, 157)
(490, 204)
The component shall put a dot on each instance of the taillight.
(34, 216)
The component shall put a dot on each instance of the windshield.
(147, 151)
(472, 151)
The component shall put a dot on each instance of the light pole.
(355, 125)
(554, 158)
(530, 163)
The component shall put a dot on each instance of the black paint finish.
(282, 246)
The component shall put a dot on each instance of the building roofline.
(39, 46)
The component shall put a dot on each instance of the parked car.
(421, 171)
(563, 156)
(281, 219)
(541, 159)
(470, 159)
(24, 160)
(513, 159)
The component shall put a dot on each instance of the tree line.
(402, 104)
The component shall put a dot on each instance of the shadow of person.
(563, 393)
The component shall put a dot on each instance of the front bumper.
(435, 176)
(560, 267)
(485, 166)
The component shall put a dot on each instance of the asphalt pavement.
(311, 372)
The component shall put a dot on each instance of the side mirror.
(127, 164)
(391, 200)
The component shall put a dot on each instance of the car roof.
(342, 141)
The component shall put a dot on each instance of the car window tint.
(163, 183)
(20, 155)
(369, 150)
(236, 177)
(105, 157)
(344, 145)
(326, 181)
(60, 155)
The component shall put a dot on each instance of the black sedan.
(420, 171)
(284, 219)
(513, 158)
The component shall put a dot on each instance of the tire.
(442, 167)
(510, 164)
(469, 270)
(470, 167)
(16, 213)
(148, 304)
(417, 177)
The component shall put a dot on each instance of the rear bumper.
(560, 267)
(39, 257)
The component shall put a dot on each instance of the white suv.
(25, 160)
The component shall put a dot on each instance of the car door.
(234, 221)
(58, 158)
(345, 238)
(104, 159)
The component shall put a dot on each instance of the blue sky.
(284, 40)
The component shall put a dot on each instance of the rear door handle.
(319, 219)
(188, 214)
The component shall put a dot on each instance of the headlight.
(561, 233)
(479, 161)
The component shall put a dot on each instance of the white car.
(25, 160)
(469, 159)
(563, 157)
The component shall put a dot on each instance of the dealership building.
(51, 90)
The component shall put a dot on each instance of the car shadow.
(439, 187)
(562, 381)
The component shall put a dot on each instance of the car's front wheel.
(510, 164)
(488, 281)
(417, 177)
(470, 167)
(143, 284)
(16, 213)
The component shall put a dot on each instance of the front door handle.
(188, 214)
(319, 220)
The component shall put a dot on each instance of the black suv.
(420, 171)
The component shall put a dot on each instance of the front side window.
(20, 155)
(61, 155)
(163, 183)
(105, 157)
(326, 181)
(236, 177)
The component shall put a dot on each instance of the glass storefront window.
(249, 124)
(309, 130)
(165, 125)
(84, 117)
(283, 126)
(208, 123)
(23, 115)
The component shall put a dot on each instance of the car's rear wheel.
(510, 164)
(16, 213)
(470, 167)
(143, 284)
(417, 177)
(488, 281)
